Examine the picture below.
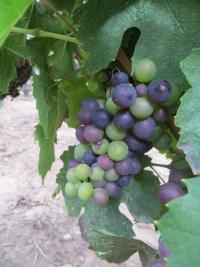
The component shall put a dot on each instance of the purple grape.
(101, 118)
(93, 134)
(136, 166)
(163, 250)
(98, 183)
(124, 120)
(123, 180)
(85, 116)
(168, 192)
(144, 129)
(157, 263)
(90, 104)
(73, 163)
(89, 157)
(100, 197)
(175, 176)
(161, 115)
(119, 77)
(124, 95)
(124, 167)
(80, 134)
(159, 91)
(141, 89)
(105, 162)
(133, 143)
(113, 189)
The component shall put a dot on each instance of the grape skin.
(105, 162)
(124, 167)
(141, 89)
(124, 120)
(124, 95)
(96, 172)
(117, 150)
(111, 175)
(111, 107)
(79, 151)
(85, 191)
(159, 91)
(73, 163)
(115, 133)
(89, 157)
(80, 134)
(70, 190)
(163, 250)
(168, 192)
(145, 70)
(113, 189)
(144, 129)
(119, 77)
(123, 180)
(98, 183)
(100, 147)
(92, 134)
(161, 115)
(101, 118)
(133, 143)
(142, 108)
(100, 197)
(82, 171)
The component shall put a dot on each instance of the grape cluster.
(114, 135)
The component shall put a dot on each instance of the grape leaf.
(187, 117)
(173, 24)
(52, 98)
(180, 227)
(140, 197)
(73, 204)
(10, 13)
(110, 233)
(76, 91)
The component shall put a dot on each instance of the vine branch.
(173, 128)
(41, 33)
(52, 8)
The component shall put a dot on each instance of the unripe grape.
(100, 147)
(100, 197)
(96, 172)
(117, 150)
(111, 175)
(70, 189)
(85, 191)
(105, 162)
(111, 107)
(142, 108)
(71, 177)
(145, 70)
(79, 151)
(115, 133)
(82, 171)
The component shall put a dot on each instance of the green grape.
(100, 147)
(77, 185)
(142, 108)
(164, 142)
(145, 70)
(157, 134)
(117, 150)
(79, 151)
(70, 189)
(82, 171)
(85, 191)
(175, 94)
(111, 175)
(115, 133)
(96, 173)
(111, 107)
(92, 84)
(71, 177)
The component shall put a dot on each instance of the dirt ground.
(35, 230)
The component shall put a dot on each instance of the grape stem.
(41, 33)
(173, 128)
(124, 60)
(161, 165)
(52, 8)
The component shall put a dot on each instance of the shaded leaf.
(180, 227)
(188, 114)
(140, 197)
(73, 205)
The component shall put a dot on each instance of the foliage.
(68, 43)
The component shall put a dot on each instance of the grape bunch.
(115, 135)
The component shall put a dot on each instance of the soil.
(35, 229)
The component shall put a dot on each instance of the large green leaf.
(10, 13)
(140, 197)
(49, 96)
(189, 112)
(110, 233)
(76, 91)
(180, 227)
(164, 25)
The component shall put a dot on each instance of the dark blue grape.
(163, 250)
(73, 163)
(90, 104)
(119, 77)
(136, 166)
(168, 192)
(133, 143)
(124, 95)
(124, 167)
(105, 162)
(93, 134)
(157, 263)
(123, 180)
(98, 183)
(141, 89)
(161, 115)
(144, 129)
(85, 116)
(113, 189)
(124, 120)
(80, 134)
(130, 154)
(159, 91)
(89, 157)
(101, 118)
